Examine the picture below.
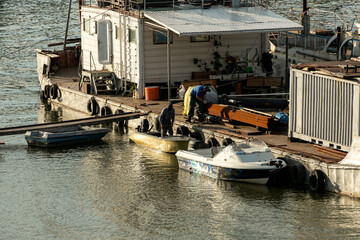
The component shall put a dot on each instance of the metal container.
(323, 110)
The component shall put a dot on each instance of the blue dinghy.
(65, 136)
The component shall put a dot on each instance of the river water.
(116, 190)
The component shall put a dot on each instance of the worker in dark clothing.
(167, 118)
(198, 96)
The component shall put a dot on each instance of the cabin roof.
(221, 20)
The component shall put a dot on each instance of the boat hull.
(257, 176)
(169, 144)
(46, 139)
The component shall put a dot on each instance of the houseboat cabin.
(129, 45)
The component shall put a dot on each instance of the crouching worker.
(167, 118)
(198, 96)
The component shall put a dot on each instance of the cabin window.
(132, 36)
(160, 37)
(200, 38)
(86, 25)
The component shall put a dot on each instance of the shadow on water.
(67, 148)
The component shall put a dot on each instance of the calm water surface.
(116, 190)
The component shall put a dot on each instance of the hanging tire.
(144, 127)
(317, 181)
(93, 106)
(196, 135)
(121, 122)
(54, 91)
(227, 141)
(212, 142)
(182, 130)
(297, 173)
(105, 111)
(47, 91)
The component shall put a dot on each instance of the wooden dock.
(82, 122)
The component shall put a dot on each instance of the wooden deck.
(277, 140)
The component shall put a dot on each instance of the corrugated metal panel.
(221, 20)
(322, 109)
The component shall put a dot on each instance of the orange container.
(152, 93)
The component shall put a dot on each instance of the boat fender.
(317, 180)
(182, 130)
(144, 127)
(196, 135)
(59, 95)
(47, 91)
(121, 122)
(297, 173)
(227, 141)
(105, 111)
(54, 91)
(93, 106)
(212, 142)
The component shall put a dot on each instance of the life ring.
(297, 173)
(227, 141)
(93, 106)
(105, 111)
(144, 127)
(54, 91)
(182, 130)
(317, 180)
(212, 142)
(47, 91)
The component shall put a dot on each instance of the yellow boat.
(167, 144)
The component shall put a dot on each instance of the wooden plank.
(240, 115)
(82, 121)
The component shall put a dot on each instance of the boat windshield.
(250, 143)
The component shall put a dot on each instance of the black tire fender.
(54, 91)
(212, 142)
(317, 180)
(93, 106)
(105, 111)
(182, 130)
(197, 136)
(144, 127)
(121, 122)
(297, 173)
(227, 141)
(47, 91)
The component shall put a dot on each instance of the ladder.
(101, 82)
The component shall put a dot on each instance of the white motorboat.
(250, 161)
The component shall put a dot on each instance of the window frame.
(155, 39)
(201, 38)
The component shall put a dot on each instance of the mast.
(66, 30)
(305, 19)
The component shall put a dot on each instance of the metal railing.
(143, 5)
